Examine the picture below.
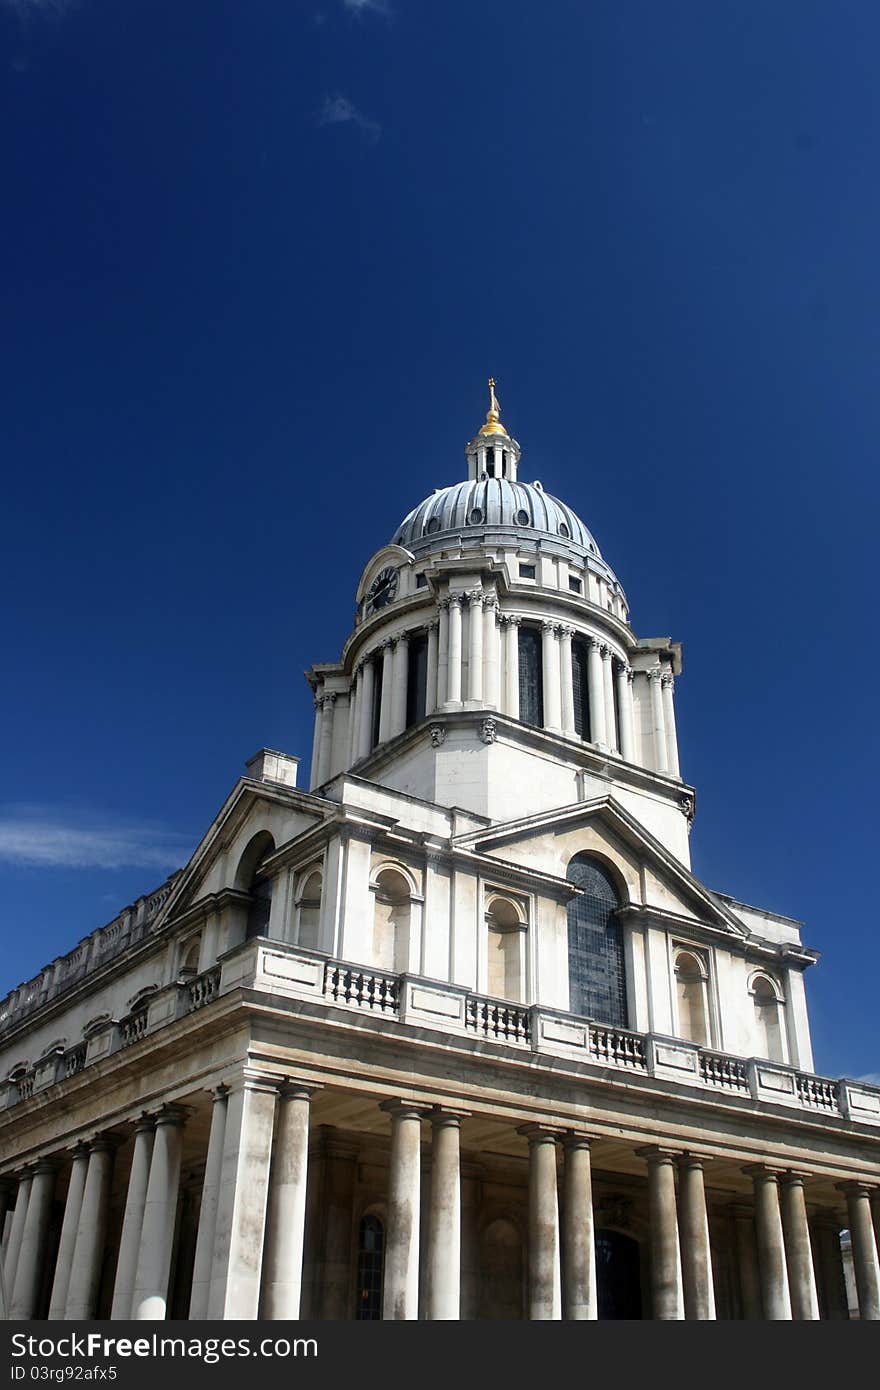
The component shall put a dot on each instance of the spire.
(493, 423)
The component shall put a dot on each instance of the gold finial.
(493, 423)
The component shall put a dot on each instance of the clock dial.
(382, 589)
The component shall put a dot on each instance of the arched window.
(531, 677)
(690, 994)
(768, 1007)
(190, 953)
(391, 921)
(250, 880)
(308, 907)
(506, 939)
(371, 1258)
(596, 967)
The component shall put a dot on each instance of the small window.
(564, 531)
(476, 516)
(490, 458)
(575, 584)
(523, 519)
(527, 571)
(421, 581)
(433, 526)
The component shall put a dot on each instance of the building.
(455, 1033)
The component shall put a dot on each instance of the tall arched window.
(768, 1007)
(505, 937)
(690, 994)
(531, 677)
(581, 688)
(417, 679)
(596, 966)
(250, 879)
(391, 921)
(371, 1256)
(308, 906)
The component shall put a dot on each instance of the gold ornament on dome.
(493, 423)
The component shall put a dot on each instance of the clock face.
(382, 589)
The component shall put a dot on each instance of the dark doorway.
(618, 1278)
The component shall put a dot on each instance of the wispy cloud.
(362, 7)
(871, 1078)
(26, 7)
(37, 838)
(338, 110)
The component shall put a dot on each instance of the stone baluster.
(475, 648)
(596, 687)
(545, 1292)
(70, 1222)
(578, 1234)
(772, 1269)
(696, 1254)
(491, 653)
(566, 678)
(432, 669)
(511, 624)
(133, 1219)
(666, 1283)
(608, 688)
(453, 667)
(201, 1279)
(88, 1253)
(444, 1217)
(150, 1298)
(29, 1269)
(400, 682)
(400, 1295)
(798, 1250)
(864, 1248)
(668, 687)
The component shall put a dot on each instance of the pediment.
(650, 877)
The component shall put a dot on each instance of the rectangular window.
(581, 689)
(527, 571)
(575, 584)
(378, 695)
(417, 679)
(421, 581)
(531, 678)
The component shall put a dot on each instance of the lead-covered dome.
(493, 504)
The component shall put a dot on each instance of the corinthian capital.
(455, 600)
(667, 680)
(655, 674)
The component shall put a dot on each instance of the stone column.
(696, 1254)
(578, 1235)
(133, 1220)
(875, 1214)
(625, 706)
(431, 674)
(19, 1216)
(29, 1269)
(552, 690)
(444, 1218)
(88, 1253)
(386, 686)
(491, 653)
(666, 1286)
(316, 745)
(150, 1298)
(864, 1248)
(72, 1207)
(453, 662)
(511, 625)
(285, 1236)
(668, 684)
(610, 712)
(747, 1261)
(351, 739)
(596, 687)
(325, 751)
(798, 1251)
(400, 681)
(545, 1292)
(244, 1188)
(7, 1203)
(775, 1297)
(475, 648)
(826, 1228)
(366, 695)
(566, 678)
(400, 1298)
(442, 652)
(658, 722)
(201, 1280)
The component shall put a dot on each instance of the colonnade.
(250, 1245)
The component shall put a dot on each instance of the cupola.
(493, 453)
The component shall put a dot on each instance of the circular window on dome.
(564, 531)
(432, 526)
(523, 518)
(476, 516)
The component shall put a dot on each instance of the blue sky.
(258, 261)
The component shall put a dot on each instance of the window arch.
(769, 1010)
(190, 952)
(370, 1268)
(308, 909)
(249, 880)
(691, 981)
(505, 950)
(596, 966)
(392, 917)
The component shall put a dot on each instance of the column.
(798, 1250)
(431, 674)
(491, 653)
(864, 1248)
(244, 1189)
(19, 1216)
(696, 1254)
(400, 680)
(566, 678)
(826, 1228)
(608, 687)
(442, 652)
(285, 1238)
(400, 1298)
(444, 1218)
(552, 691)
(658, 723)
(597, 692)
(365, 708)
(668, 685)
(578, 1236)
(386, 685)
(625, 706)
(201, 1280)
(511, 624)
(666, 1286)
(453, 667)
(88, 1252)
(72, 1207)
(354, 716)
(28, 1271)
(316, 745)
(133, 1220)
(775, 1297)
(475, 647)
(545, 1293)
(325, 752)
(150, 1297)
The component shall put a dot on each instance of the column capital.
(291, 1089)
(690, 1160)
(490, 601)
(104, 1143)
(405, 1109)
(443, 1115)
(606, 651)
(763, 1172)
(655, 674)
(172, 1115)
(573, 1139)
(329, 699)
(45, 1165)
(667, 680)
(539, 1134)
(219, 1092)
(593, 643)
(565, 631)
(252, 1079)
(656, 1153)
(144, 1122)
(856, 1187)
(474, 597)
(402, 639)
(455, 600)
(791, 1178)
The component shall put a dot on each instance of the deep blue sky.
(258, 259)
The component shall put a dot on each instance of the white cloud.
(41, 839)
(338, 110)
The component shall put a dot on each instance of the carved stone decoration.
(614, 1211)
(438, 735)
(686, 803)
(488, 730)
